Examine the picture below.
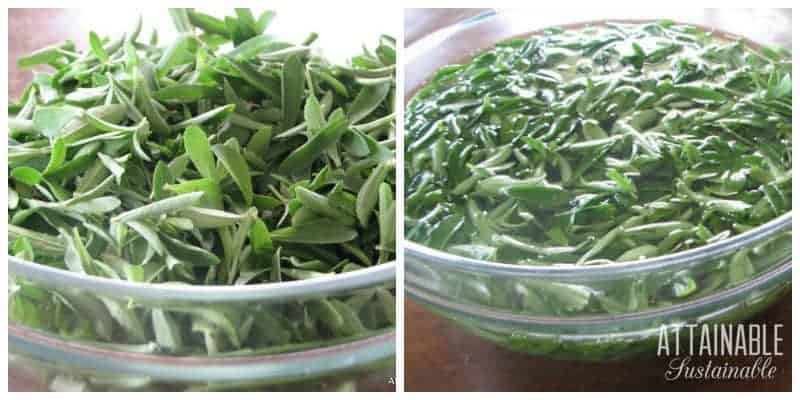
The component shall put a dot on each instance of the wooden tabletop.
(441, 357)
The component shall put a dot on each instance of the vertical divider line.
(400, 206)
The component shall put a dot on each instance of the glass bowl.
(41, 358)
(590, 313)
(44, 358)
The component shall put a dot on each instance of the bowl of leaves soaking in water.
(214, 212)
(572, 191)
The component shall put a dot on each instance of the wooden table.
(441, 357)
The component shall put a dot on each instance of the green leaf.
(192, 255)
(180, 52)
(214, 116)
(264, 21)
(266, 202)
(210, 218)
(320, 231)
(27, 175)
(96, 206)
(97, 47)
(639, 253)
(386, 218)
(540, 195)
(292, 87)
(322, 206)
(46, 55)
(368, 194)
(197, 147)
(352, 323)
(547, 251)
(264, 84)
(127, 318)
(149, 234)
(231, 157)
(180, 18)
(624, 183)
(367, 100)
(214, 317)
(315, 119)
(76, 257)
(23, 249)
(167, 333)
(259, 142)
(113, 166)
(212, 195)
(303, 156)
(161, 178)
(186, 93)
(327, 314)
(51, 120)
(159, 208)
(741, 268)
(699, 93)
(146, 104)
(207, 23)
(254, 46)
(260, 238)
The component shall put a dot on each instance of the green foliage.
(608, 144)
(187, 163)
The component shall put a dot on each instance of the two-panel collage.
(380, 199)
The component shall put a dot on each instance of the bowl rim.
(207, 294)
(320, 361)
(687, 259)
(663, 262)
(668, 313)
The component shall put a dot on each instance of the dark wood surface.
(441, 357)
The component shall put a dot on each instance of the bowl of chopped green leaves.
(212, 213)
(574, 191)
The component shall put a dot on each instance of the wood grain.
(439, 356)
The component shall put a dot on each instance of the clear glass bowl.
(574, 312)
(46, 360)
(42, 360)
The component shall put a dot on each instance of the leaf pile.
(226, 157)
